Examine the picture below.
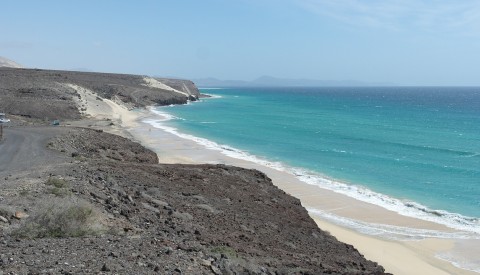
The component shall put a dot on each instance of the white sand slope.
(99, 108)
(4, 62)
(153, 83)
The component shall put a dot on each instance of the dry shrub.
(60, 218)
(57, 182)
(59, 186)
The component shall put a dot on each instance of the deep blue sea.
(414, 149)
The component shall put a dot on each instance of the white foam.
(406, 208)
(224, 149)
(391, 231)
(210, 96)
(164, 116)
(460, 262)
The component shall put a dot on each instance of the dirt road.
(25, 148)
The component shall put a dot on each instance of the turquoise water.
(420, 146)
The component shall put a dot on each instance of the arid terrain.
(81, 201)
(36, 94)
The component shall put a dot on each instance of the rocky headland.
(36, 94)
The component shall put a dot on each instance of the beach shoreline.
(421, 255)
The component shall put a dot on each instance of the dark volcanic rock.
(176, 219)
(89, 143)
(41, 94)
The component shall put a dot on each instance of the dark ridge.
(40, 94)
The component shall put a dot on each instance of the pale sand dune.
(153, 83)
(111, 116)
(4, 62)
(398, 257)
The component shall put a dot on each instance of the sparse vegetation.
(5, 211)
(59, 186)
(60, 218)
(225, 250)
(60, 192)
(57, 182)
(23, 192)
(80, 158)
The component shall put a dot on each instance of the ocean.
(413, 150)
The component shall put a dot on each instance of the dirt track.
(25, 148)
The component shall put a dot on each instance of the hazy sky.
(410, 42)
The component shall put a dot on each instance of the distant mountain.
(4, 62)
(269, 81)
(214, 82)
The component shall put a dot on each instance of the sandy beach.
(401, 256)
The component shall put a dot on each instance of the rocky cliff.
(44, 94)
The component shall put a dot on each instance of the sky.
(405, 42)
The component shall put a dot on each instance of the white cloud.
(427, 15)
